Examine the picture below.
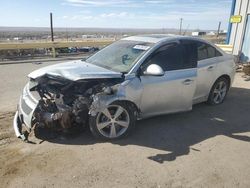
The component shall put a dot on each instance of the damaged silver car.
(134, 78)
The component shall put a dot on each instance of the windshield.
(120, 56)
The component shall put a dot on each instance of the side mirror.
(154, 70)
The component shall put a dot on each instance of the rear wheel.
(219, 91)
(113, 122)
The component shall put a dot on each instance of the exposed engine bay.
(64, 104)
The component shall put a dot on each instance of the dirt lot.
(207, 147)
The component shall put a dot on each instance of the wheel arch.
(132, 119)
(227, 77)
(224, 76)
(132, 104)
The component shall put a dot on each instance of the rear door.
(208, 57)
(173, 91)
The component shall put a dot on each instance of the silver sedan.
(134, 78)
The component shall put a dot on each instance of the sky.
(196, 14)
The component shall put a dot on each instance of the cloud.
(152, 13)
(116, 15)
(102, 3)
(104, 16)
(77, 17)
(147, 4)
(157, 2)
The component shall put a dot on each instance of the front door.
(173, 91)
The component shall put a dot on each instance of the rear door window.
(202, 51)
(206, 51)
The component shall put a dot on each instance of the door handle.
(210, 68)
(187, 81)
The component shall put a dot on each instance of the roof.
(158, 38)
(152, 38)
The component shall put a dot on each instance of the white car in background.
(134, 78)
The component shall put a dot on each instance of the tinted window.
(189, 54)
(175, 56)
(168, 57)
(202, 51)
(206, 51)
(217, 53)
(211, 51)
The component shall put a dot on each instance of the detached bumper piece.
(17, 125)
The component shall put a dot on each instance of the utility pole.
(218, 31)
(52, 35)
(51, 27)
(180, 26)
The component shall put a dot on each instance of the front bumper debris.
(17, 124)
(61, 105)
(24, 113)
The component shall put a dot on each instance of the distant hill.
(91, 30)
(41, 33)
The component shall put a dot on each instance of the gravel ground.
(207, 147)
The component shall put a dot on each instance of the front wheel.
(218, 92)
(113, 122)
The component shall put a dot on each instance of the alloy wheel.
(113, 121)
(220, 92)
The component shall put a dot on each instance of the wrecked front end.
(60, 104)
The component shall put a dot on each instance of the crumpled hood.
(75, 70)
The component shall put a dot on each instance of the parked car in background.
(134, 78)
(88, 49)
(63, 50)
(72, 49)
(77, 49)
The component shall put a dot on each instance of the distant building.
(239, 29)
(88, 36)
(223, 32)
(55, 37)
(198, 33)
(211, 33)
(17, 38)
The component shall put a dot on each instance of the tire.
(116, 121)
(219, 91)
